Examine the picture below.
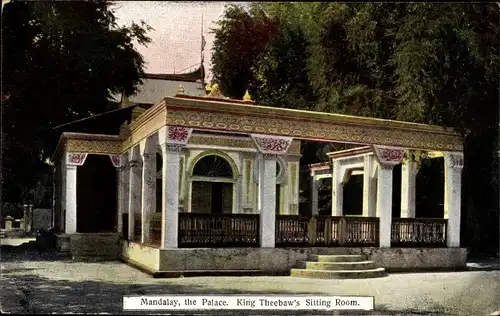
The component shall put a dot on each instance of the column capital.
(270, 156)
(388, 157)
(116, 160)
(454, 160)
(174, 135)
(134, 163)
(71, 167)
(75, 159)
(146, 156)
(276, 145)
(171, 148)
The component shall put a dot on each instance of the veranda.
(264, 235)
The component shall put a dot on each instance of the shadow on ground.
(41, 295)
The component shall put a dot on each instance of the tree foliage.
(61, 61)
(429, 63)
(239, 40)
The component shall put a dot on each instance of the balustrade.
(326, 231)
(242, 230)
(291, 231)
(218, 230)
(418, 232)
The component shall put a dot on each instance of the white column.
(314, 193)
(387, 158)
(453, 164)
(409, 171)
(134, 198)
(267, 206)
(293, 187)
(170, 195)
(337, 189)
(148, 197)
(369, 187)
(70, 200)
(62, 192)
(123, 190)
(384, 203)
(238, 195)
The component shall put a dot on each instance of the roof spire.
(203, 43)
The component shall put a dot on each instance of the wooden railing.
(218, 230)
(361, 231)
(418, 232)
(326, 231)
(291, 231)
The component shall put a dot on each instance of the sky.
(176, 38)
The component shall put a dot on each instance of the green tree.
(240, 38)
(429, 63)
(61, 62)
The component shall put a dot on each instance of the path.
(32, 283)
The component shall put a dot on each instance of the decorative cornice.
(231, 117)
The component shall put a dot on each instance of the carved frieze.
(94, 146)
(221, 141)
(316, 128)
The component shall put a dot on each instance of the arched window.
(209, 195)
(214, 167)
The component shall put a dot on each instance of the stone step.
(337, 258)
(333, 266)
(339, 274)
(94, 258)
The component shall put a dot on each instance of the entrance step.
(337, 258)
(339, 274)
(334, 266)
(337, 267)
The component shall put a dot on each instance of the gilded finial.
(214, 91)
(247, 96)
(180, 89)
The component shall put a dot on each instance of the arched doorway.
(212, 186)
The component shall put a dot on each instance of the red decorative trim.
(76, 159)
(116, 160)
(389, 156)
(179, 134)
(272, 145)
